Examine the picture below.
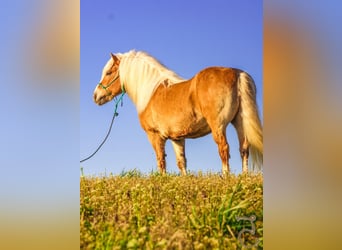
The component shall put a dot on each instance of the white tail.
(250, 118)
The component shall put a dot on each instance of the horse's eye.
(108, 73)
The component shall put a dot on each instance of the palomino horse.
(170, 107)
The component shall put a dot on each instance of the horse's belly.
(189, 129)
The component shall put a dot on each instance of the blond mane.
(141, 74)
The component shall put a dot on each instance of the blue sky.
(186, 36)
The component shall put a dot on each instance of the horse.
(174, 108)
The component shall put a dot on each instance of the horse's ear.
(115, 58)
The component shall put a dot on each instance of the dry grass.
(133, 211)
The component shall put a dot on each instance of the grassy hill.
(201, 211)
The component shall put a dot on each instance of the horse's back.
(217, 76)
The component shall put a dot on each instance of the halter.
(106, 87)
(115, 78)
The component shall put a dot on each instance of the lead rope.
(111, 124)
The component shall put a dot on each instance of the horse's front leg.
(178, 146)
(158, 144)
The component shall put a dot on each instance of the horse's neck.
(140, 93)
(141, 81)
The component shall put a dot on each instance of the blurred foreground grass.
(202, 211)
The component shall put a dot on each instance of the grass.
(202, 211)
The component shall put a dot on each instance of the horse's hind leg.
(223, 148)
(158, 144)
(178, 146)
(244, 144)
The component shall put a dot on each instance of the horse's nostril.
(95, 97)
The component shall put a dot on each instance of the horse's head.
(110, 84)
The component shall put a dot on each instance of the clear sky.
(186, 36)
